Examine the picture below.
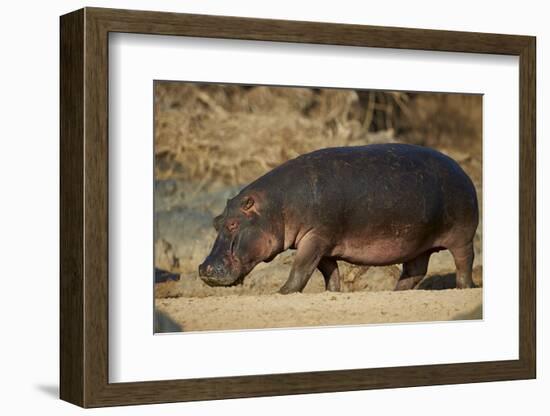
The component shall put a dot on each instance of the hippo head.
(246, 237)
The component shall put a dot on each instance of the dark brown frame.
(84, 209)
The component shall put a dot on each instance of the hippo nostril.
(206, 270)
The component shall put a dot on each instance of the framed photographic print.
(256, 207)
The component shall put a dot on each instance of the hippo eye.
(232, 225)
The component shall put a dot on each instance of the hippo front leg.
(308, 255)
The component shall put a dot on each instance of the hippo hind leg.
(413, 271)
(464, 260)
(329, 268)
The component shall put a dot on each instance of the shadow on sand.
(475, 313)
(163, 323)
(438, 282)
(448, 281)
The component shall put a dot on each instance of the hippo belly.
(382, 252)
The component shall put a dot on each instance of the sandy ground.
(191, 305)
(315, 309)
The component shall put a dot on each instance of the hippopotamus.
(373, 205)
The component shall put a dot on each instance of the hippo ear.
(247, 203)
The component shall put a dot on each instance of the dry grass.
(215, 135)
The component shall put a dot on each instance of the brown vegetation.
(230, 135)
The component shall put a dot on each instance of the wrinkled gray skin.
(371, 205)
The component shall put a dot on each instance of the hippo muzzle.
(221, 267)
(215, 273)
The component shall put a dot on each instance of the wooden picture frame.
(84, 207)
